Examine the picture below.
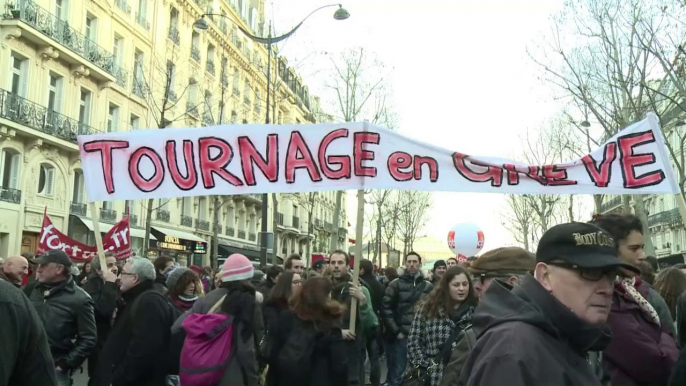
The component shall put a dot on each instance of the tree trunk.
(214, 258)
(639, 207)
(525, 234)
(598, 201)
(275, 223)
(571, 208)
(308, 245)
(336, 220)
(626, 204)
(148, 224)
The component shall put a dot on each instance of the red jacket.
(641, 352)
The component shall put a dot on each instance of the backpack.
(466, 340)
(172, 353)
(295, 357)
(208, 347)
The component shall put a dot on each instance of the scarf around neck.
(629, 287)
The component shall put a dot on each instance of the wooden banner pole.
(359, 233)
(98, 237)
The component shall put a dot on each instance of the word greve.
(242, 159)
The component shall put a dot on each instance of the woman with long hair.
(671, 283)
(237, 297)
(308, 348)
(439, 317)
(82, 278)
(184, 288)
(288, 284)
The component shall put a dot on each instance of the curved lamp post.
(201, 25)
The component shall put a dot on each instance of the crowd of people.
(587, 308)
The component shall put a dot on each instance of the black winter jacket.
(24, 352)
(104, 295)
(399, 300)
(527, 337)
(133, 353)
(376, 290)
(67, 314)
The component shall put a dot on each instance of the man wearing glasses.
(540, 332)
(66, 311)
(508, 264)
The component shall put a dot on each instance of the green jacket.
(367, 317)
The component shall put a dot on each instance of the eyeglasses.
(127, 274)
(297, 282)
(592, 274)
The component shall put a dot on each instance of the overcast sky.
(461, 78)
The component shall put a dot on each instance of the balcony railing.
(123, 5)
(35, 116)
(611, 204)
(138, 88)
(195, 53)
(171, 95)
(669, 217)
(187, 221)
(241, 234)
(121, 76)
(108, 214)
(174, 35)
(142, 21)
(230, 232)
(78, 208)
(202, 224)
(318, 223)
(219, 228)
(296, 222)
(209, 67)
(252, 237)
(279, 219)
(192, 109)
(59, 30)
(10, 195)
(162, 215)
(133, 219)
(207, 119)
(328, 226)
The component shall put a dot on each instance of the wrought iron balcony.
(669, 217)
(78, 208)
(35, 116)
(108, 214)
(162, 215)
(142, 21)
(219, 228)
(296, 222)
(174, 35)
(207, 119)
(609, 205)
(252, 237)
(209, 66)
(10, 195)
(121, 75)
(318, 223)
(133, 219)
(187, 221)
(195, 53)
(171, 95)
(60, 31)
(138, 87)
(192, 109)
(230, 232)
(241, 234)
(202, 224)
(123, 5)
(328, 226)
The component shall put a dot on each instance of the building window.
(202, 208)
(62, 9)
(46, 180)
(85, 108)
(113, 118)
(131, 207)
(171, 78)
(20, 67)
(236, 81)
(55, 86)
(135, 122)
(10, 169)
(91, 28)
(79, 187)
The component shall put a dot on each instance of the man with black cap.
(66, 311)
(439, 269)
(539, 333)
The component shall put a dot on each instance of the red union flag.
(116, 240)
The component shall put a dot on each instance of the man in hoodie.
(344, 290)
(539, 332)
(397, 308)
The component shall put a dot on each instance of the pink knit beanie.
(237, 267)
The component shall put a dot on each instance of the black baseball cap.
(53, 256)
(582, 245)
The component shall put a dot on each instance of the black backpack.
(295, 357)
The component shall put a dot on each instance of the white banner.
(239, 159)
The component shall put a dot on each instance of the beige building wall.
(79, 67)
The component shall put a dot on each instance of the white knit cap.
(237, 267)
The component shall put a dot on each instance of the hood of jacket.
(532, 304)
(412, 278)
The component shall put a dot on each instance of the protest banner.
(116, 240)
(240, 159)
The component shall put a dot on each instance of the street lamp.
(201, 25)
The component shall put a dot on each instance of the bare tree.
(379, 199)
(357, 79)
(157, 89)
(602, 67)
(412, 216)
(519, 219)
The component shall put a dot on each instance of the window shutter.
(14, 172)
(49, 180)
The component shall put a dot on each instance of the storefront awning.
(105, 227)
(228, 247)
(179, 234)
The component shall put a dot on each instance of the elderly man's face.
(589, 299)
